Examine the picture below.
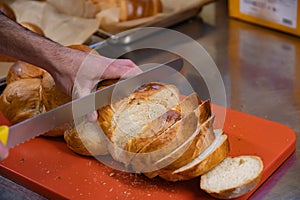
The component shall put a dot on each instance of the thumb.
(81, 91)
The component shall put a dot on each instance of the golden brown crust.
(84, 48)
(23, 70)
(58, 131)
(147, 90)
(52, 95)
(4, 58)
(8, 11)
(213, 159)
(86, 139)
(74, 142)
(33, 27)
(105, 83)
(21, 100)
(237, 191)
(105, 115)
(198, 145)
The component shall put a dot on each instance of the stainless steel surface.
(80, 107)
(261, 71)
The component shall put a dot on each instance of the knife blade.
(70, 111)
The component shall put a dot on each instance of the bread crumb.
(111, 174)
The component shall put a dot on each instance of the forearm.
(22, 44)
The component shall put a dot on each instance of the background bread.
(22, 100)
(233, 177)
(21, 70)
(187, 151)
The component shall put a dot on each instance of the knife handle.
(3, 134)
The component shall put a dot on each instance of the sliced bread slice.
(122, 120)
(209, 158)
(233, 177)
(156, 127)
(186, 152)
(165, 143)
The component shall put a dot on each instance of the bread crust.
(52, 95)
(21, 100)
(86, 139)
(236, 192)
(184, 155)
(23, 70)
(210, 161)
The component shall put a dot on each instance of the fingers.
(121, 68)
(3, 151)
(92, 117)
(81, 91)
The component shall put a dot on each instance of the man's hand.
(87, 69)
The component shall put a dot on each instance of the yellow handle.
(3, 134)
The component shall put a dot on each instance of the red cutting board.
(48, 167)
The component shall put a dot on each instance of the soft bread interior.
(156, 127)
(233, 177)
(164, 144)
(123, 120)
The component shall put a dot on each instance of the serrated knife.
(16, 134)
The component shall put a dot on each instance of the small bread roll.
(23, 70)
(21, 100)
